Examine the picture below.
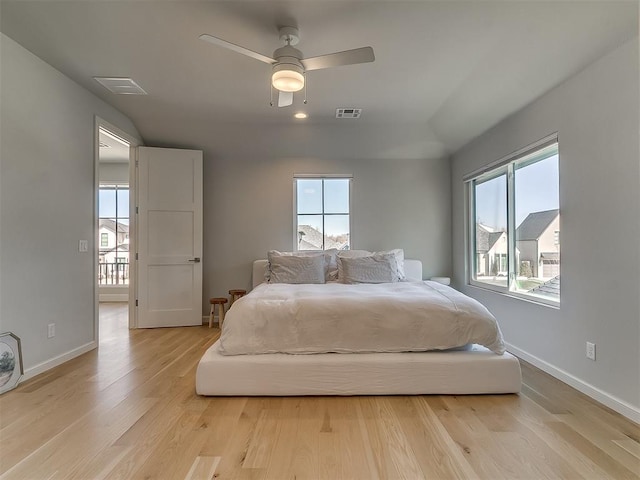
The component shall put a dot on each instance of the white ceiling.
(112, 148)
(444, 72)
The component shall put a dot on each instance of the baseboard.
(59, 360)
(614, 403)
(113, 297)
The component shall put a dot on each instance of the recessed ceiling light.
(300, 115)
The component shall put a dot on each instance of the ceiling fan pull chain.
(270, 94)
(305, 87)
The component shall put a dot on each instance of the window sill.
(517, 296)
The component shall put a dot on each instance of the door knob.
(195, 260)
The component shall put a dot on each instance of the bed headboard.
(412, 270)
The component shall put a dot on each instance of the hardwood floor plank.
(237, 441)
(563, 439)
(401, 452)
(472, 437)
(165, 457)
(439, 456)
(283, 452)
(602, 439)
(630, 446)
(203, 468)
(83, 439)
(329, 464)
(603, 464)
(129, 411)
(98, 467)
(264, 436)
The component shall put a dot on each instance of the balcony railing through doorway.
(113, 273)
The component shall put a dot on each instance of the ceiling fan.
(288, 64)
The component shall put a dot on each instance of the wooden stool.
(220, 301)
(236, 294)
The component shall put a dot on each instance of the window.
(113, 213)
(322, 213)
(514, 224)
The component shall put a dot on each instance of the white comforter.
(334, 317)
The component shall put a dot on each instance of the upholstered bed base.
(473, 371)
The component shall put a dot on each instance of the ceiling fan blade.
(285, 99)
(348, 57)
(236, 48)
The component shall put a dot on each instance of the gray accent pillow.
(330, 261)
(290, 269)
(376, 268)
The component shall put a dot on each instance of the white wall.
(248, 209)
(47, 201)
(114, 173)
(596, 116)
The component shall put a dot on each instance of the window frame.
(305, 176)
(506, 165)
(116, 187)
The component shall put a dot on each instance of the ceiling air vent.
(348, 112)
(120, 85)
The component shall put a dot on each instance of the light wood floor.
(128, 410)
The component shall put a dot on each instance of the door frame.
(133, 143)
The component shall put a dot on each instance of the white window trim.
(508, 162)
(297, 176)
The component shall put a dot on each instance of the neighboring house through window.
(514, 223)
(322, 213)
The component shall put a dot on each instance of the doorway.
(115, 232)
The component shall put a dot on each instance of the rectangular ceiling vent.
(348, 112)
(120, 85)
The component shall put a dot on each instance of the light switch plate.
(83, 246)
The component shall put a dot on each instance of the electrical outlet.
(51, 330)
(591, 351)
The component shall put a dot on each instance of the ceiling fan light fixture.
(287, 78)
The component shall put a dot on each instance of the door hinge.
(136, 302)
(136, 256)
(136, 210)
(136, 163)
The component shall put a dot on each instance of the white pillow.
(376, 268)
(354, 253)
(290, 269)
(399, 254)
(349, 254)
(330, 261)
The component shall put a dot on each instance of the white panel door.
(169, 290)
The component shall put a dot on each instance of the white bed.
(466, 370)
